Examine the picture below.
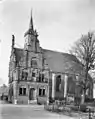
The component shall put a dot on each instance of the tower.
(31, 38)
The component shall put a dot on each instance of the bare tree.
(84, 50)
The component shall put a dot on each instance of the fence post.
(90, 114)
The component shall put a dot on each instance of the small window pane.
(40, 90)
(33, 74)
(20, 91)
(43, 92)
(42, 77)
(24, 91)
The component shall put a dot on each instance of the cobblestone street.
(10, 111)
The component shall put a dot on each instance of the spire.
(31, 21)
(31, 29)
(13, 41)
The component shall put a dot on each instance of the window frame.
(24, 75)
(33, 62)
(23, 91)
(42, 92)
(58, 82)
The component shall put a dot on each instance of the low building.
(3, 92)
(37, 74)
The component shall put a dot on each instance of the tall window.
(71, 85)
(24, 75)
(22, 91)
(33, 63)
(58, 82)
(33, 74)
(41, 77)
(42, 92)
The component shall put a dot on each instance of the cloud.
(47, 12)
(1, 81)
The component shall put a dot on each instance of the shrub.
(89, 100)
(51, 100)
(83, 107)
(75, 108)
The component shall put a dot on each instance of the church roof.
(62, 62)
(57, 61)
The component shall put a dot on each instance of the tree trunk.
(83, 97)
(85, 81)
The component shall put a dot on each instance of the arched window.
(71, 85)
(58, 82)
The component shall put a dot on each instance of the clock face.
(26, 40)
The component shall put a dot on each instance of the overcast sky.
(58, 22)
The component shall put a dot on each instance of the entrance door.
(32, 94)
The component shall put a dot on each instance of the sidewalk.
(4, 103)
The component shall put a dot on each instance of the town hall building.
(37, 74)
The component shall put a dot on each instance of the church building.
(37, 74)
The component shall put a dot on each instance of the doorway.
(32, 94)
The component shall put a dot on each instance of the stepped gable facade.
(37, 74)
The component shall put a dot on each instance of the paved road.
(10, 111)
